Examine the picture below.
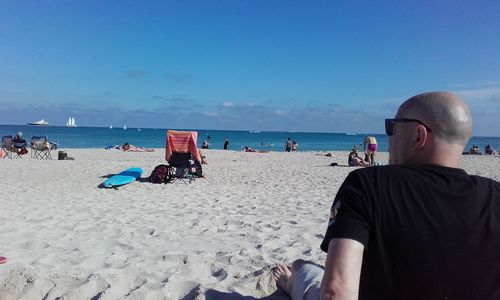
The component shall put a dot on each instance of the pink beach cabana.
(182, 142)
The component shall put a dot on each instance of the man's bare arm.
(342, 270)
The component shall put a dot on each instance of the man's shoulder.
(382, 170)
(409, 170)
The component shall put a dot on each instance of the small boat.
(111, 126)
(71, 122)
(42, 122)
(351, 133)
(254, 131)
(138, 129)
(124, 126)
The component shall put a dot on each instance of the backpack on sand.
(160, 174)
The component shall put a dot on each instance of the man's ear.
(421, 136)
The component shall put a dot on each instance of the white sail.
(71, 122)
(111, 126)
(124, 126)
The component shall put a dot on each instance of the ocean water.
(99, 137)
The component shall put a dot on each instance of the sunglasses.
(390, 123)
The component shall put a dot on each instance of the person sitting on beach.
(203, 158)
(354, 160)
(488, 150)
(204, 144)
(474, 150)
(419, 228)
(131, 148)
(19, 143)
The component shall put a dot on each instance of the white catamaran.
(71, 122)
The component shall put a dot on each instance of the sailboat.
(71, 122)
(124, 126)
(111, 126)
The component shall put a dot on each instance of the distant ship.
(111, 126)
(254, 131)
(71, 122)
(124, 126)
(42, 122)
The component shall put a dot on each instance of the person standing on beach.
(370, 147)
(226, 144)
(420, 228)
(288, 145)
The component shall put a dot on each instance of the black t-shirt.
(429, 232)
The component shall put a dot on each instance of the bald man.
(421, 228)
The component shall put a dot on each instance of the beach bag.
(160, 174)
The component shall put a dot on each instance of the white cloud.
(210, 114)
(228, 104)
(480, 95)
(280, 112)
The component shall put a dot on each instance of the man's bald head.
(445, 113)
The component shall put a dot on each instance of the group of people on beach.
(206, 143)
(418, 228)
(291, 146)
(488, 150)
(369, 147)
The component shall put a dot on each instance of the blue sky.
(328, 66)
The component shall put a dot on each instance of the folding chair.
(7, 146)
(182, 153)
(181, 167)
(40, 147)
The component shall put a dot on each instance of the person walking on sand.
(288, 145)
(370, 147)
(419, 228)
(226, 144)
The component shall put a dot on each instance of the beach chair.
(182, 154)
(8, 146)
(40, 147)
(11, 148)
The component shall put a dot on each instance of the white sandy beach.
(216, 238)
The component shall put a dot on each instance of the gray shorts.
(307, 281)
